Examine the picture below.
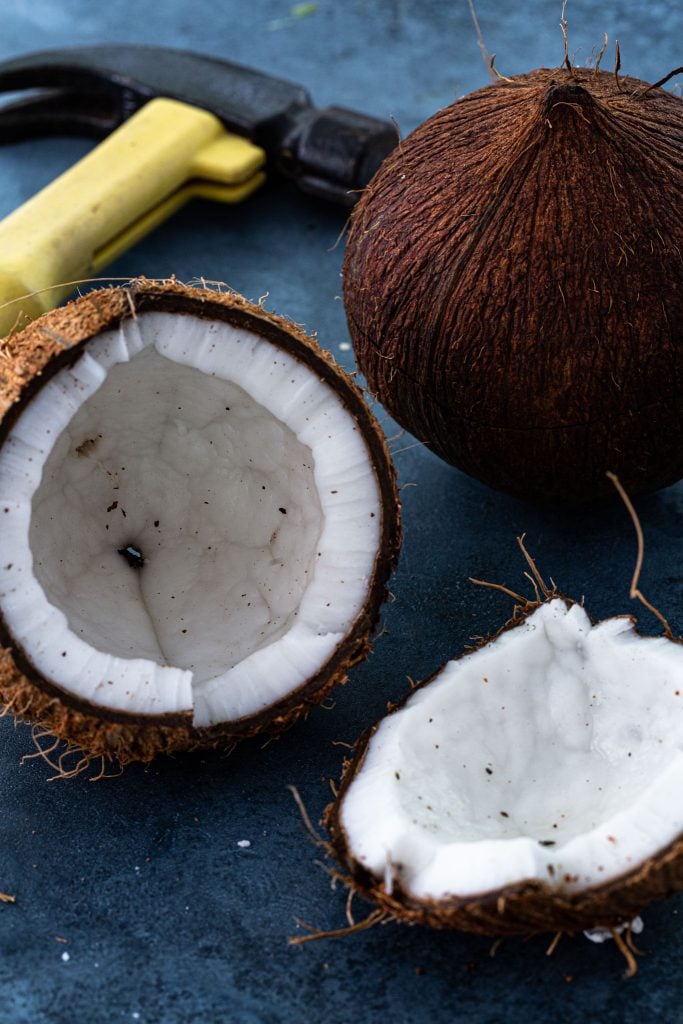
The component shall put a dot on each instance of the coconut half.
(531, 785)
(199, 517)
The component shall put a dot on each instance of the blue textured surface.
(166, 919)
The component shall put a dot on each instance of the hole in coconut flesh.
(190, 519)
(552, 753)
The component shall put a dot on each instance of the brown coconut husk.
(527, 241)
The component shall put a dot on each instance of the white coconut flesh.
(551, 754)
(190, 521)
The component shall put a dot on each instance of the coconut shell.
(54, 341)
(527, 908)
(513, 284)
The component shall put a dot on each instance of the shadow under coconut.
(217, 828)
(462, 974)
(588, 551)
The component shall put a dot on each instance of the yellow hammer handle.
(52, 239)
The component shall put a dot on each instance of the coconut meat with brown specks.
(551, 754)
(189, 521)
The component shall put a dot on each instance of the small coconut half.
(198, 519)
(531, 785)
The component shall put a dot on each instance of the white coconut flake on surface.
(550, 754)
(240, 480)
(600, 935)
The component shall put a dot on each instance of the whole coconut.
(513, 283)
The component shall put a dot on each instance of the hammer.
(178, 125)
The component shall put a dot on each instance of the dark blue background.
(166, 918)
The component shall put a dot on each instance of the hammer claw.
(59, 112)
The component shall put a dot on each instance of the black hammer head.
(91, 90)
